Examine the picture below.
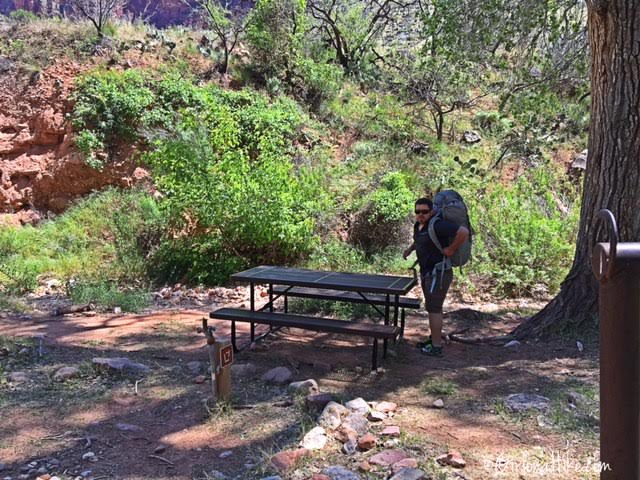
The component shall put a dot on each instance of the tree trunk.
(612, 178)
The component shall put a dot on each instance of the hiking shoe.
(421, 345)
(431, 350)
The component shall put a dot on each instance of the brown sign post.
(617, 268)
(220, 358)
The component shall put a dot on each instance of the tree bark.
(612, 178)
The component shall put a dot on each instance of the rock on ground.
(519, 402)
(340, 473)
(119, 364)
(278, 375)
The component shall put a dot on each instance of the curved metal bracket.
(603, 258)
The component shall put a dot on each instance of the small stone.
(309, 386)
(367, 442)
(452, 458)
(128, 427)
(438, 403)
(117, 310)
(200, 379)
(285, 460)
(45, 476)
(404, 463)
(243, 369)
(272, 477)
(18, 377)
(391, 431)
(42, 470)
(318, 401)
(86, 473)
(349, 447)
(513, 344)
(471, 136)
(159, 449)
(344, 433)
(216, 475)
(519, 402)
(375, 416)
(32, 465)
(357, 422)
(358, 405)
(364, 466)
(194, 367)
(409, 474)
(387, 458)
(315, 439)
(278, 375)
(66, 373)
(90, 456)
(225, 454)
(320, 476)
(331, 416)
(119, 364)
(385, 407)
(340, 473)
(391, 443)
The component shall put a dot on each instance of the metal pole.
(617, 267)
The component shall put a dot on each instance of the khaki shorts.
(434, 301)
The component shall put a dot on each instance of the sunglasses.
(422, 212)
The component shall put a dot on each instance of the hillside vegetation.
(310, 144)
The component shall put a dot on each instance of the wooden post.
(224, 358)
(220, 358)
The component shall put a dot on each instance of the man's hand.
(448, 251)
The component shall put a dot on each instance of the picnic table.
(376, 290)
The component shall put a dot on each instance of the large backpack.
(451, 207)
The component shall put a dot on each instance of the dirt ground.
(158, 425)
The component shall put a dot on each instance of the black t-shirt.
(427, 252)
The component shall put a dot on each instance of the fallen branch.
(72, 309)
(158, 457)
(481, 340)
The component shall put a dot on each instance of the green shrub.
(524, 242)
(109, 109)
(23, 16)
(383, 220)
(106, 235)
(108, 295)
(233, 192)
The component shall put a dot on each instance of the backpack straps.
(445, 264)
(431, 229)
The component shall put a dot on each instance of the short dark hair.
(425, 201)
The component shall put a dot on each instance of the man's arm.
(408, 251)
(461, 236)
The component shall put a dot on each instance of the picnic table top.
(354, 282)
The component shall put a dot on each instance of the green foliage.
(437, 386)
(275, 35)
(109, 108)
(107, 235)
(108, 295)
(380, 223)
(523, 239)
(233, 192)
(392, 202)
(21, 15)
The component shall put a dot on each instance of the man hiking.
(436, 273)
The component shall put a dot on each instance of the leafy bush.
(383, 220)
(108, 295)
(233, 192)
(109, 108)
(22, 16)
(523, 242)
(107, 235)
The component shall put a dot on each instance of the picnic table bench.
(375, 290)
(343, 296)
